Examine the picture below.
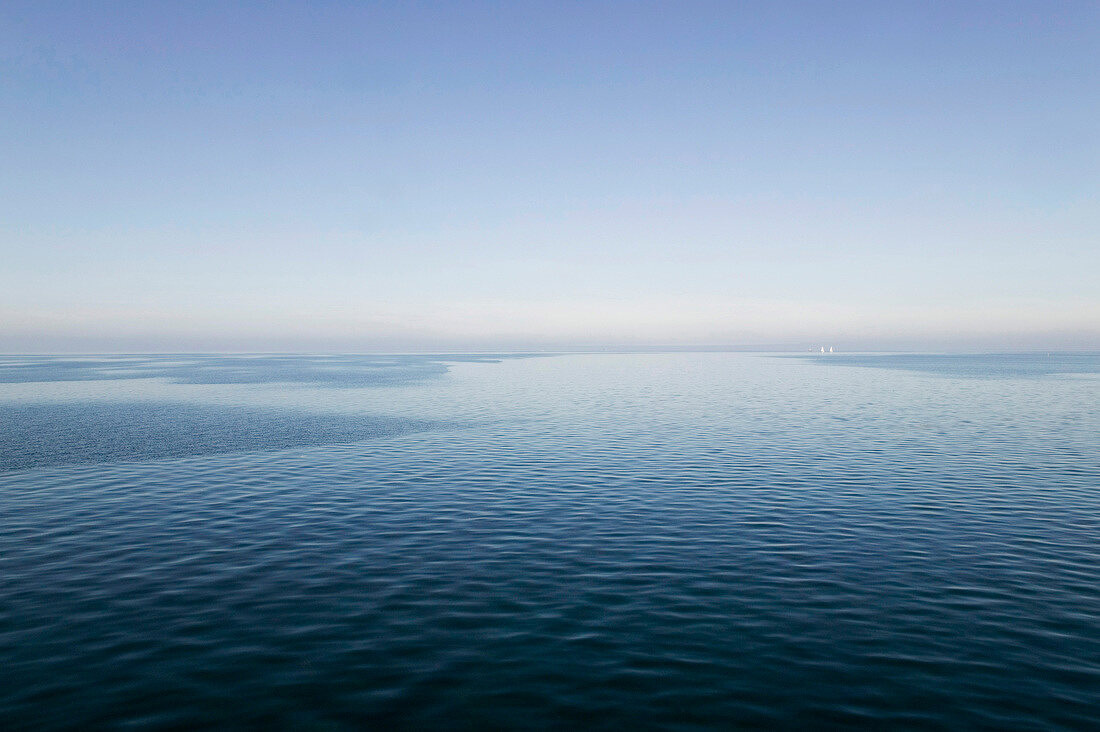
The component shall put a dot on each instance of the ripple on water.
(553, 573)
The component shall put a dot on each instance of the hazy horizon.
(561, 177)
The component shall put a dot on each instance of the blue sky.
(441, 176)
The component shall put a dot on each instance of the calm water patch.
(346, 371)
(981, 366)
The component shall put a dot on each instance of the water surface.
(638, 541)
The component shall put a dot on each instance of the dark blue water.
(608, 541)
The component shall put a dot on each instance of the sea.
(618, 541)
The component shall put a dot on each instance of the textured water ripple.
(46, 434)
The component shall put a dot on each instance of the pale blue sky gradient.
(441, 176)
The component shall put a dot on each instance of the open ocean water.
(693, 540)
